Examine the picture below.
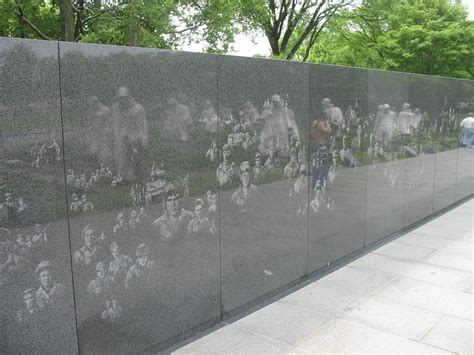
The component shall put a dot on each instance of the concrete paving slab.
(341, 336)
(403, 251)
(430, 241)
(234, 339)
(394, 318)
(334, 299)
(284, 322)
(460, 261)
(424, 295)
(453, 334)
(433, 274)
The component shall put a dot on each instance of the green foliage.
(419, 36)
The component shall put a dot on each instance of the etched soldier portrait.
(76, 204)
(120, 263)
(103, 282)
(121, 229)
(29, 311)
(142, 274)
(89, 251)
(226, 170)
(292, 168)
(200, 224)
(174, 221)
(246, 194)
(87, 206)
(113, 311)
(272, 161)
(49, 291)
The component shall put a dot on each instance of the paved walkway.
(412, 295)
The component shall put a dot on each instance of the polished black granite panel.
(338, 98)
(464, 93)
(36, 298)
(420, 168)
(263, 112)
(386, 154)
(444, 136)
(142, 195)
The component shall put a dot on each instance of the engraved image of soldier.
(257, 170)
(86, 206)
(178, 121)
(200, 224)
(212, 152)
(405, 118)
(76, 204)
(6, 257)
(120, 264)
(299, 189)
(9, 210)
(142, 274)
(99, 137)
(89, 251)
(292, 168)
(272, 161)
(226, 170)
(246, 194)
(103, 283)
(49, 291)
(28, 314)
(113, 311)
(174, 221)
(121, 229)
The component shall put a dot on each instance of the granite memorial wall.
(145, 192)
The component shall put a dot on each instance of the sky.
(247, 46)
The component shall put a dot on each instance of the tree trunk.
(67, 21)
(132, 26)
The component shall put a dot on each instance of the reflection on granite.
(36, 300)
(142, 194)
(184, 187)
(263, 110)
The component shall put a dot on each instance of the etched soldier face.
(20, 241)
(142, 259)
(172, 204)
(245, 178)
(88, 236)
(100, 273)
(45, 278)
(134, 214)
(247, 135)
(258, 162)
(115, 252)
(8, 198)
(226, 154)
(28, 300)
(198, 211)
(107, 304)
(293, 158)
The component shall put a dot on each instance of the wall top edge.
(115, 48)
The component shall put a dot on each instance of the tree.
(145, 23)
(419, 36)
(290, 24)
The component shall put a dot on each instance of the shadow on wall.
(146, 192)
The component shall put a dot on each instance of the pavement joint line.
(413, 261)
(320, 329)
(263, 335)
(435, 346)
(414, 279)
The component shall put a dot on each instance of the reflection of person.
(178, 121)
(405, 117)
(320, 129)
(172, 224)
(89, 250)
(334, 114)
(130, 129)
(468, 130)
(275, 131)
(292, 168)
(385, 124)
(247, 192)
(299, 190)
(226, 169)
(208, 117)
(142, 274)
(49, 291)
